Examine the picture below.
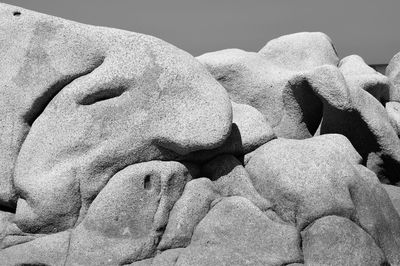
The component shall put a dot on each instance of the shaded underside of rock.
(350, 110)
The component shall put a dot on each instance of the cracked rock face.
(118, 148)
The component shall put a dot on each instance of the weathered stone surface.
(231, 179)
(309, 181)
(301, 51)
(245, 76)
(283, 96)
(353, 112)
(226, 177)
(127, 219)
(394, 195)
(188, 211)
(393, 111)
(320, 177)
(235, 232)
(359, 74)
(118, 148)
(334, 240)
(376, 214)
(276, 80)
(249, 131)
(392, 72)
(108, 100)
(47, 250)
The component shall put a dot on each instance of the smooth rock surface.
(188, 211)
(301, 51)
(249, 131)
(277, 79)
(353, 112)
(394, 195)
(359, 74)
(321, 176)
(108, 100)
(47, 250)
(393, 73)
(260, 241)
(307, 183)
(118, 148)
(284, 96)
(393, 111)
(334, 240)
(127, 219)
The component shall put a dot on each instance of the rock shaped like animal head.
(95, 100)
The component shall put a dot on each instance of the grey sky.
(370, 28)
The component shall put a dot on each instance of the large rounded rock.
(358, 74)
(249, 131)
(321, 176)
(188, 211)
(127, 219)
(301, 183)
(301, 51)
(48, 250)
(350, 110)
(394, 195)
(284, 96)
(393, 73)
(334, 240)
(226, 177)
(393, 111)
(235, 232)
(94, 101)
(249, 79)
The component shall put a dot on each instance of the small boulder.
(127, 219)
(333, 240)
(236, 232)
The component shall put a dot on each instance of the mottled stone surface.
(334, 240)
(118, 148)
(115, 105)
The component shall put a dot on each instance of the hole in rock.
(102, 95)
(16, 13)
(147, 182)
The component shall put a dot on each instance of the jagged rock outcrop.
(118, 148)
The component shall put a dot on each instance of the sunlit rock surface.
(118, 148)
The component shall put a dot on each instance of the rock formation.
(118, 148)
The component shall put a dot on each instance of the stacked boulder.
(118, 148)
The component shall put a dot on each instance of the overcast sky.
(370, 28)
